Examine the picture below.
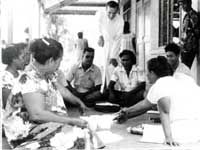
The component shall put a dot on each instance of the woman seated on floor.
(126, 87)
(177, 99)
(37, 98)
(16, 57)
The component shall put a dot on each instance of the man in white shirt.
(80, 45)
(130, 84)
(110, 25)
(172, 51)
(85, 78)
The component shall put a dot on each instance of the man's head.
(172, 51)
(187, 5)
(88, 56)
(127, 58)
(112, 8)
(80, 35)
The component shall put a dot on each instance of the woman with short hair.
(16, 57)
(37, 99)
(177, 99)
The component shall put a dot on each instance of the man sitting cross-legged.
(86, 79)
(130, 88)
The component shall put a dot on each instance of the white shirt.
(184, 113)
(82, 80)
(124, 82)
(111, 31)
(180, 93)
(81, 44)
(126, 42)
(182, 68)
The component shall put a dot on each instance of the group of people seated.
(36, 91)
(125, 88)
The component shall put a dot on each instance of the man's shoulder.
(95, 67)
(75, 66)
(182, 68)
(119, 68)
(85, 40)
(119, 19)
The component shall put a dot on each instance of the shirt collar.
(89, 69)
(133, 69)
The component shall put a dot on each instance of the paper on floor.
(109, 137)
(153, 134)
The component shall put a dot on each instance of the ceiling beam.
(82, 4)
(74, 12)
(58, 6)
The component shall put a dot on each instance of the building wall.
(155, 50)
(196, 64)
(16, 17)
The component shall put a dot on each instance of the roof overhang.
(73, 7)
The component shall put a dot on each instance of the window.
(169, 21)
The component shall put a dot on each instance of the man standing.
(86, 79)
(80, 45)
(191, 34)
(111, 28)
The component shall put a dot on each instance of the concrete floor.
(128, 141)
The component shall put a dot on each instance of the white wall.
(18, 15)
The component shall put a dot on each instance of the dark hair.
(112, 4)
(130, 53)
(88, 49)
(80, 34)
(46, 48)
(126, 27)
(160, 66)
(172, 47)
(187, 2)
(11, 52)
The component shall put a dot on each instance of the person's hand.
(82, 108)
(122, 116)
(171, 142)
(114, 62)
(101, 41)
(79, 122)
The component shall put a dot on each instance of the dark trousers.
(127, 99)
(88, 98)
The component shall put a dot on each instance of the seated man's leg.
(116, 97)
(91, 98)
(133, 98)
(75, 93)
